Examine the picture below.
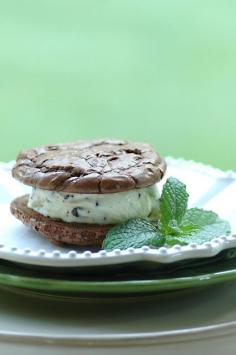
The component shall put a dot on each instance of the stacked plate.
(30, 263)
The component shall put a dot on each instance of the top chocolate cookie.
(96, 166)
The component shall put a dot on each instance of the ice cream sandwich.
(81, 189)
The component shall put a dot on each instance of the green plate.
(115, 285)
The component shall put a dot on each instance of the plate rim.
(54, 285)
(116, 340)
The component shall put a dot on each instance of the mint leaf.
(199, 217)
(199, 226)
(177, 225)
(135, 233)
(173, 203)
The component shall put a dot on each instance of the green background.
(157, 71)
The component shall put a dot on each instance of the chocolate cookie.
(57, 231)
(97, 166)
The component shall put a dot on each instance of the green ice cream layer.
(96, 208)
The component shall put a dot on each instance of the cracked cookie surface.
(95, 166)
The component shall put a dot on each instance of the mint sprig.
(177, 224)
(133, 233)
(173, 204)
(199, 226)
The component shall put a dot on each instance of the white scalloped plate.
(206, 185)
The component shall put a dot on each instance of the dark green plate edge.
(187, 276)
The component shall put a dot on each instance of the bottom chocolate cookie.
(57, 231)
